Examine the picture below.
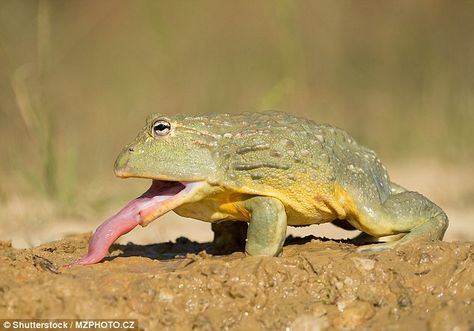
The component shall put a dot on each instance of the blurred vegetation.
(78, 77)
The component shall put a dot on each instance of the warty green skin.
(272, 169)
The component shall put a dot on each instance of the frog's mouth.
(160, 198)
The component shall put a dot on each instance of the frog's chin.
(161, 197)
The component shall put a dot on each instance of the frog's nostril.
(131, 149)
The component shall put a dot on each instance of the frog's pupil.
(162, 127)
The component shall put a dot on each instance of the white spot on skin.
(354, 169)
(369, 211)
(227, 135)
(304, 152)
(342, 200)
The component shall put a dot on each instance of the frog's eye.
(160, 128)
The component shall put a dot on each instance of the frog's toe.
(376, 248)
(365, 238)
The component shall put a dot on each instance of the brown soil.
(315, 285)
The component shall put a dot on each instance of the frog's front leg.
(267, 226)
(406, 212)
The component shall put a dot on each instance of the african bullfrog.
(268, 170)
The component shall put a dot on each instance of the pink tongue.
(124, 221)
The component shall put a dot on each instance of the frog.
(251, 175)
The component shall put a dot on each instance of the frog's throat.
(161, 197)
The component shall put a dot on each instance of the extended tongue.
(105, 235)
(136, 211)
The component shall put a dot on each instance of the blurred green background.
(78, 77)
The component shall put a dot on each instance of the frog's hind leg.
(406, 212)
(229, 236)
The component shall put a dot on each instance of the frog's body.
(271, 170)
(310, 168)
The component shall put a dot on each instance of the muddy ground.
(316, 284)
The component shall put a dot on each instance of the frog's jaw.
(163, 196)
(160, 198)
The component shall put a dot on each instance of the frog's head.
(169, 150)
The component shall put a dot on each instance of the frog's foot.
(378, 244)
(375, 244)
(377, 247)
(409, 215)
(160, 198)
(229, 236)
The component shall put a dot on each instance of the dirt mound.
(317, 283)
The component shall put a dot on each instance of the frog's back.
(356, 168)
